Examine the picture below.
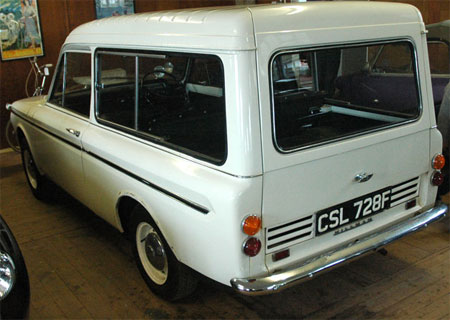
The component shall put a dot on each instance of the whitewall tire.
(163, 273)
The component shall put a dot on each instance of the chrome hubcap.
(7, 275)
(151, 252)
(30, 169)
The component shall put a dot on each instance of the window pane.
(117, 89)
(180, 100)
(439, 57)
(393, 58)
(72, 89)
(328, 94)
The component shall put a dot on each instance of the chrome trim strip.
(24, 118)
(325, 262)
(189, 203)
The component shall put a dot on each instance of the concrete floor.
(80, 267)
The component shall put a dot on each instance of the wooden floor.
(80, 267)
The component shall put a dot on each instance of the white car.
(221, 139)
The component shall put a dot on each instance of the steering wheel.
(162, 90)
(160, 79)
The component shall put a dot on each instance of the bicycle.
(40, 73)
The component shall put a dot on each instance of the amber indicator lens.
(252, 247)
(437, 179)
(251, 225)
(438, 162)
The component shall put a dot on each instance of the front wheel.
(159, 267)
(39, 185)
(11, 137)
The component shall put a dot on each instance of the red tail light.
(437, 178)
(281, 255)
(252, 247)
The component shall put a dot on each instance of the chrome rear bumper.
(296, 274)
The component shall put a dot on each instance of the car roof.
(235, 27)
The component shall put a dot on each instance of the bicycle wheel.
(11, 137)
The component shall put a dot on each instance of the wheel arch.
(22, 137)
(20, 134)
(124, 207)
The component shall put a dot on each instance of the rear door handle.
(363, 177)
(76, 133)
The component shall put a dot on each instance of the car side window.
(172, 99)
(72, 87)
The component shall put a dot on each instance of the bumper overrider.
(298, 273)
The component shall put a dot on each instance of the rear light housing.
(252, 246)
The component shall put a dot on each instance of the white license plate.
(351, 211)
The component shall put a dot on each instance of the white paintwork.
(227, 28)
(256, 178)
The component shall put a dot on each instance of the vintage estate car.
(222, 142)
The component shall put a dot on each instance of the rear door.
(339, 161)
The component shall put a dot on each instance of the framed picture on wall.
(20, 29)
(109, 8)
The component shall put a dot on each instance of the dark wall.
(59, 17)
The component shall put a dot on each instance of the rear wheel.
(159, 267)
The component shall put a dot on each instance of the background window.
(72, 88)
(439, 53)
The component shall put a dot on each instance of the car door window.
(173, 99)
(72, 87)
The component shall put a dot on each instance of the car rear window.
(327, 94)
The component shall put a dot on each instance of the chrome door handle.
(76, 133)
(363, 177)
